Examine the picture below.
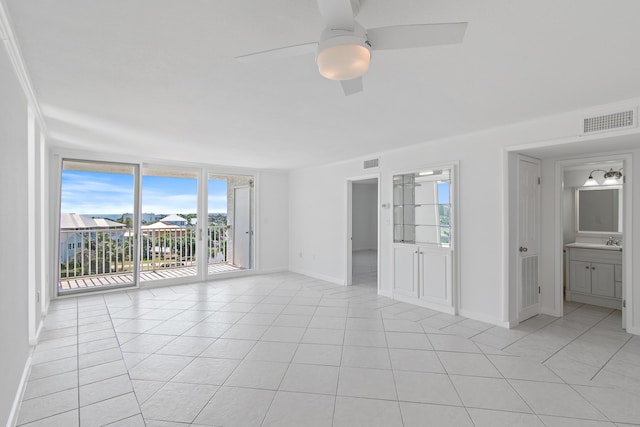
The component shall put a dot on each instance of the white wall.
(13, 229)
(273, 221)
(318, 200)
(365, 216)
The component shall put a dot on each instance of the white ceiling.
(158, 78)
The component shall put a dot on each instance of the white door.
(242, 227)
(528, 237)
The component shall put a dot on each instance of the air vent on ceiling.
(608, 122)
(371, 163)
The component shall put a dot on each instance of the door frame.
(627, 230)
(349, 228)
(58, 162)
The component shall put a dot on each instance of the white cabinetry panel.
(405, 270)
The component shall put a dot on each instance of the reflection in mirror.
(422, 207)
(599, 210)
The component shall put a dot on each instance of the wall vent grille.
(612, 121)
(371, 163)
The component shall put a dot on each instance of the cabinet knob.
(593, 268)
(587, 267)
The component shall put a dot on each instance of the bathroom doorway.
(591, 215)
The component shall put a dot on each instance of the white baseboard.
(420, 303)
(385, 293)
(484, 318)
(15, 408)
(635, 330)
(550, 312)
(38, 330)
(273, 270)
(320, 276)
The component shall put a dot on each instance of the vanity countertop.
(593, 246)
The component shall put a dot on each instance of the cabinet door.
(435, 276)
(602, 279)
(405, 270)
(580, 276)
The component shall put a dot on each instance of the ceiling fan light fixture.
(343, 62)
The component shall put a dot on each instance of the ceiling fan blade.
(337, 14)
(420, 35)
(351, 86)
(281, 52)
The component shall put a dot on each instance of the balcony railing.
(87, 253)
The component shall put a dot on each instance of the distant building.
(174, 219)
(75, 229)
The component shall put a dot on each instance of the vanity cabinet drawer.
(595, 255)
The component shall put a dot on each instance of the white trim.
(13, 50)
(385, 293)
(486, 319)
(22, 386)
(330, 279)
(423, 303)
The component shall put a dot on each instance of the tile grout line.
(133, 391)
(290, 362)
(451, 382)
(395, 384)
(610, 358)
(564, 346)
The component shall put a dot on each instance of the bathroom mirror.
(422, 207)
(599, 209)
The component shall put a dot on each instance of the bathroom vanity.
(594, 274)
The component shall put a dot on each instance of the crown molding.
(13, 50)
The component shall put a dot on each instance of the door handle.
(523, 249)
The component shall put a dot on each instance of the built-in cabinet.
(422, 229)
(595, 276)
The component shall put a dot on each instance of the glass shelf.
(422, 208)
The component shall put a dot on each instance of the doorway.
(592, 223)
(363, 232)
(564, 170)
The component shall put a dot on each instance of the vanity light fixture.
(610, 178)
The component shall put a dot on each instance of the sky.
(110, 193)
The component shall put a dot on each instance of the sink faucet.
(611, 241)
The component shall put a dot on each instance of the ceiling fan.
(344, 50)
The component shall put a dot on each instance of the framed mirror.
(599, 209)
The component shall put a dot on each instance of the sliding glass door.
(97, 247)
(125, 224)
(169, 222)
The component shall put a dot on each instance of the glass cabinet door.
(422, 207)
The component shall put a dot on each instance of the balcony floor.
(104, 280)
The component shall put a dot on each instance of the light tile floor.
(288, 350)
